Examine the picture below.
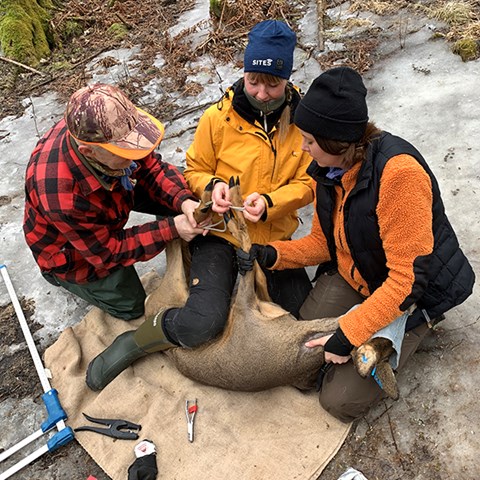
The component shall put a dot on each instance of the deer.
(262, 345)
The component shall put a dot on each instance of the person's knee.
(128, 314)
(200, 327)
(346, 395)
(127, 308)
(340, 408)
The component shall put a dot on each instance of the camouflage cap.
(102, 115)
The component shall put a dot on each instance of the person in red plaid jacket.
(83, 179)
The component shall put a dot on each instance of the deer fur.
(262, 345)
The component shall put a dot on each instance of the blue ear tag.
(375, 377)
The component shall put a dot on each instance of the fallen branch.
(463, 326)
(34, 117)
(14, 62)
(179, 133)
(187, 111)
(370, 424)
(320, 14)
(83, 19)
(128, 25)
(399, 453)
(90, 57)
(74, 66)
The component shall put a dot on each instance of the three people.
(249, 133)
(84, 177)
(379, 234)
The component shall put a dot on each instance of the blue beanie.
(270, 49)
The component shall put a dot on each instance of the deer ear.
(385, 377)
(231, 182)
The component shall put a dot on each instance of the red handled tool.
(190, 411)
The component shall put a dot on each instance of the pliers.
(114, 430)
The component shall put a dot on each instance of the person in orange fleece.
(379, 234)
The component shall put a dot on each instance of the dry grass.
(462, 18)
(378, 7)
(357, 54)
(453, 13)
(228, 35)
(352, 23)
(463, 25)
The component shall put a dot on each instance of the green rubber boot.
(126, 349)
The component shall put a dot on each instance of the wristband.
(338, 344)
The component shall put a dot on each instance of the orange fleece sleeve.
(303, 252)
(404, 214)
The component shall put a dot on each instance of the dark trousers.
(344, 393)
(121, 293)
(213, 274)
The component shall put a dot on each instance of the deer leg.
(239, 230)
(372, 352)
(204, 210)
(371, 358)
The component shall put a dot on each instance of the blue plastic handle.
(54, 410)
(60, 438)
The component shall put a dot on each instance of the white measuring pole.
(56, 414)
(26, 331)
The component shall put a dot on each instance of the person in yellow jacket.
(248, 134)
(379, 235)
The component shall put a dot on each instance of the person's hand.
(188, 208)
(254, 206)
(185, 229)
(265, 255)
(221, 198)
(245, 261)
(329, 356)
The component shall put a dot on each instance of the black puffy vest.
(443, 279)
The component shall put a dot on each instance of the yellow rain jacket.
(226, 144)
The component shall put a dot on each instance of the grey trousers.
(344, 393)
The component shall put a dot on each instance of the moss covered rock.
(118, 30)
(467, 48)
(25, 33)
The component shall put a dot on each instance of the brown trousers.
(344, 393)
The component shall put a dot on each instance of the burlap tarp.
(280, 433)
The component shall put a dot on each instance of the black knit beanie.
(334, 106)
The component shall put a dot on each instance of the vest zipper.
(340, 211)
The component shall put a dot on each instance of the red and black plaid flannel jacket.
(75, 227)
